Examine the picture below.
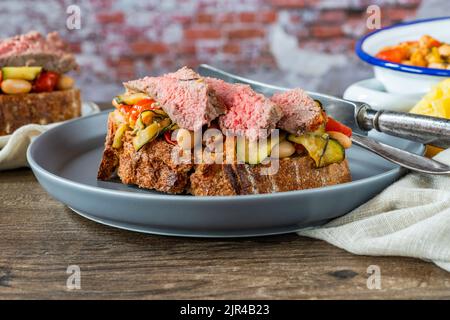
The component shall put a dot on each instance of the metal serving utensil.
(361, 118)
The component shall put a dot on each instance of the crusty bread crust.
(297, 173)
(40, 108)
(152, 168)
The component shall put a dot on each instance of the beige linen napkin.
(410, 218)
(14, 153)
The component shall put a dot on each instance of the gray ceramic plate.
(65, 161)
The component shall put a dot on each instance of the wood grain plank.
(40, 238)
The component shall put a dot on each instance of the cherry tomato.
(434, 43)
(147, 104)
(140, 106)
(46, 82)
(333, 125)
(168, 137)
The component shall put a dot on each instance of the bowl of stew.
(410, 57)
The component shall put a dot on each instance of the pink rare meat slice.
(184, 95)
(33, 49)
(300, 112)
(248, 113)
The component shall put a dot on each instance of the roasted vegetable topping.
(117, 143)
(333, 125)
(321, 149)
(427, 52)
(16, 86)
(21, 80)
(145, 117)
(145, 136)
(46, 82)
(23, 73)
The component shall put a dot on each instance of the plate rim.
(372, 60)
(171, 197)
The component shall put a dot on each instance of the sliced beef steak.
(33, 49)
(300, 113)
(248, 113)
(184, 95)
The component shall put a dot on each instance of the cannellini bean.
(343, 140)
(185, 139)
(213, 139)
(16, 86)
(444, 50)
(65, 82)
(285, 149)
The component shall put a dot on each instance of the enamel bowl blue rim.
(363, 55)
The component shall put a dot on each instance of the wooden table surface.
(40, 238)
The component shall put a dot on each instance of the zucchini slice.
(146, 135)
(24, 73)
(321, 148)
(120, 132)
(334, 152)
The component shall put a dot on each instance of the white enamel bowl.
(398, 78)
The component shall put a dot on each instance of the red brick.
(268, 16)
(247, 17)
(204, 18)
(123, 67)
(332, 15)
(246, 33)
(148, 48)
(111, 17)
(293, 3)
(75, 47)
(232, 48)
(227, 17)
(326, 31)
(397, 14)
(203, 33)
(187, 47)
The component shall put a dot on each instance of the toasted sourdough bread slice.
(40, 108)
(152, 168)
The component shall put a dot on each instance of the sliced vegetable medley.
(427, 52)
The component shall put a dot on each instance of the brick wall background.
(291, 42)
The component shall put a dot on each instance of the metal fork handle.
(403, 158)
(423, 129)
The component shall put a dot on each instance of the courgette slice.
(321, 148)
(334, 153)
(138, 125)
(314, 144)
(120, 132)
(146, 135)
(24, 73)
(165, 124)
